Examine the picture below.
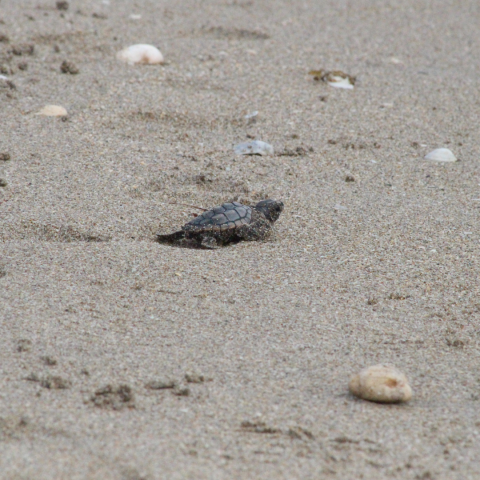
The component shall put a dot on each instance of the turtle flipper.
(171, 237)
(259, 228)
(209, 242)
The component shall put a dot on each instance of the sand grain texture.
(382, 269)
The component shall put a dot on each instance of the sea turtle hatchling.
(230, 222)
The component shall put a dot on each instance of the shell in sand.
(53, 111)
(441, 155)
(382, 384)
(141, 54)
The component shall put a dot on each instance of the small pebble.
(441, 155)
(382, 384)
(62, 5)
(24, 345)
(53, 111)
(349, 178)
(3, 182)
(69, 67)
(256, 147)
(141, 54)
(4, 157)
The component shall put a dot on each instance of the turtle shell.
(225, 217)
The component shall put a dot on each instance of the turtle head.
(270, 208)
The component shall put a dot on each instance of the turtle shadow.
(193, 245)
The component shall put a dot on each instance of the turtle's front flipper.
(258, 229)
(209, 242)
(171, 238)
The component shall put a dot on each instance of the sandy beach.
(122, 358)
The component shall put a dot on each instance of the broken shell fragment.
(340, 80)
(251, 115)
(382, 384)
(336, 78)
(441, 155)
(141, 54)
(53, 111)
(256, 147)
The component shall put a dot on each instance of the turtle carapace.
(230, 222)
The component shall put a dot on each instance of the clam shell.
(441, 155)
(382, 384)
(340, 80)
(336, 78)
(256, 147)
(141, 54)
(53, 111)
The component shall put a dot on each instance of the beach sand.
(382, 269)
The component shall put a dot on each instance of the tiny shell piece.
(336, 78)
(395, 61)
(256, 147)
(53, 111)
(382, 384)
(251, 115)
(340, 80)
(441, 155)
(141, 54)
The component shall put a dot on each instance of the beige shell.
(140, 54)
(381, 383)
(441, 155)
(53, 111)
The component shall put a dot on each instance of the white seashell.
(340, 81)
(141, 54)
(135, 16)
(382, 384)
(395, 61)
(251, 115)
(336, 78)
(441, 155)
(3, 77)
(53, 111)
(254, 148)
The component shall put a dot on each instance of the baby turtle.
(230, 222)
